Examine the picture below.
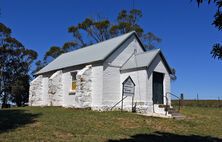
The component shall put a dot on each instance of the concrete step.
(177, 116)
(172, 111)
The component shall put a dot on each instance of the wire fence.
(217, 103)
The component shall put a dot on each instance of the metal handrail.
(179, 99)
(172, 94)
(118, 102)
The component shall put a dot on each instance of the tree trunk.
(4, 100)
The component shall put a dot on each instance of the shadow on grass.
(13, 118)
(167, 137)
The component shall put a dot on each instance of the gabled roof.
(144, 60)
(92, 53)
(129, 78)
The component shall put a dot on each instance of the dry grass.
(60, 124)
(200, 103)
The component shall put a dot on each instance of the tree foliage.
(94, 30)
(217, 22)
(173, 75)
(15, 62)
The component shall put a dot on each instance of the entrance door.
(158, 88)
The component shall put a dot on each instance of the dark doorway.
(158, 88)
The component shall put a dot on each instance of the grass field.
(60, 124)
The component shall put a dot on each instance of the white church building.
(94, 76)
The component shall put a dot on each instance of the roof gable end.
(145, 59)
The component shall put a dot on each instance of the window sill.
(72, 92)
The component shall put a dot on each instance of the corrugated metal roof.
(92, 53)
(144, 60)
(140, 60)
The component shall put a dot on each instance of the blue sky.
(186, 32)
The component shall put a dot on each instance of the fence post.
(181, 98)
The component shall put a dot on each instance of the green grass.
(60, 124)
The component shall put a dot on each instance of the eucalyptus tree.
(217, 22)
(15, 63)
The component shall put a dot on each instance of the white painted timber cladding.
(111, 74)
(158, 66)
(144, 87)
(140, 97)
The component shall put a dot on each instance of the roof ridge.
(158, 49)
(130, 33)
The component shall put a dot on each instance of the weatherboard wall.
(111, 73)
(140, 97)
(158, 66)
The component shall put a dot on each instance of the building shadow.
(13, 118)
(167, 137)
